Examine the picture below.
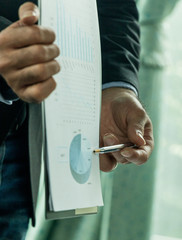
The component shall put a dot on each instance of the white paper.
(72, 112)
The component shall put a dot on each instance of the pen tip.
(96, 150)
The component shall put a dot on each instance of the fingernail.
(30, 13)
(109, 139)
(141, 136)
(115, 167)
(126, 153)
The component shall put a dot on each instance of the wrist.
(117, 92)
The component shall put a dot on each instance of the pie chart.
(80, 159)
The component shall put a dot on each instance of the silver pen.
(113, 148)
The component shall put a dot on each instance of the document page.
(72, 111)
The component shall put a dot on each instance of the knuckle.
(41, 72)
(40, 52)
(32, 96)
(52, 34)
(54, 84)
(36, 95)
(33, 76)
(37, 33)
(47, 34)
(57, 50)
(142, 112)
(4, 64)
(30, 77)
(37, 75)
(57, 67)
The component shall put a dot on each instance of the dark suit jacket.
(120, 47)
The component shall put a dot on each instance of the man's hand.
(27, 56)
(123, 120)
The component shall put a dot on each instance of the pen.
(113, 148)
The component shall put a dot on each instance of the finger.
(38, 92)
(29, 13)
(137, 156)
(141, 155)
(148, 134)
(107, 162)
(136, 128)
(28, 35)
(34, 74)
(35, 54)
(111, 139)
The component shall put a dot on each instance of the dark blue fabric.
(120, 41)
(15, 198)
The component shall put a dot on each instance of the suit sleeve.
(4, 23)
(6, 94)
(8, 113)
(120, 41)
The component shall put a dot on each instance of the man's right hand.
(27, 56)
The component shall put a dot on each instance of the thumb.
(28, 13)
(110, 139)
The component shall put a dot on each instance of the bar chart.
(72, 40)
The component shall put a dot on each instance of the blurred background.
(142, 203)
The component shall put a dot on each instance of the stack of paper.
(72, 112)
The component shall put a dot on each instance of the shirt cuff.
(120, 84)
(3, 100)
(7, 95)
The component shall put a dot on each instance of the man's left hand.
(124, 120)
